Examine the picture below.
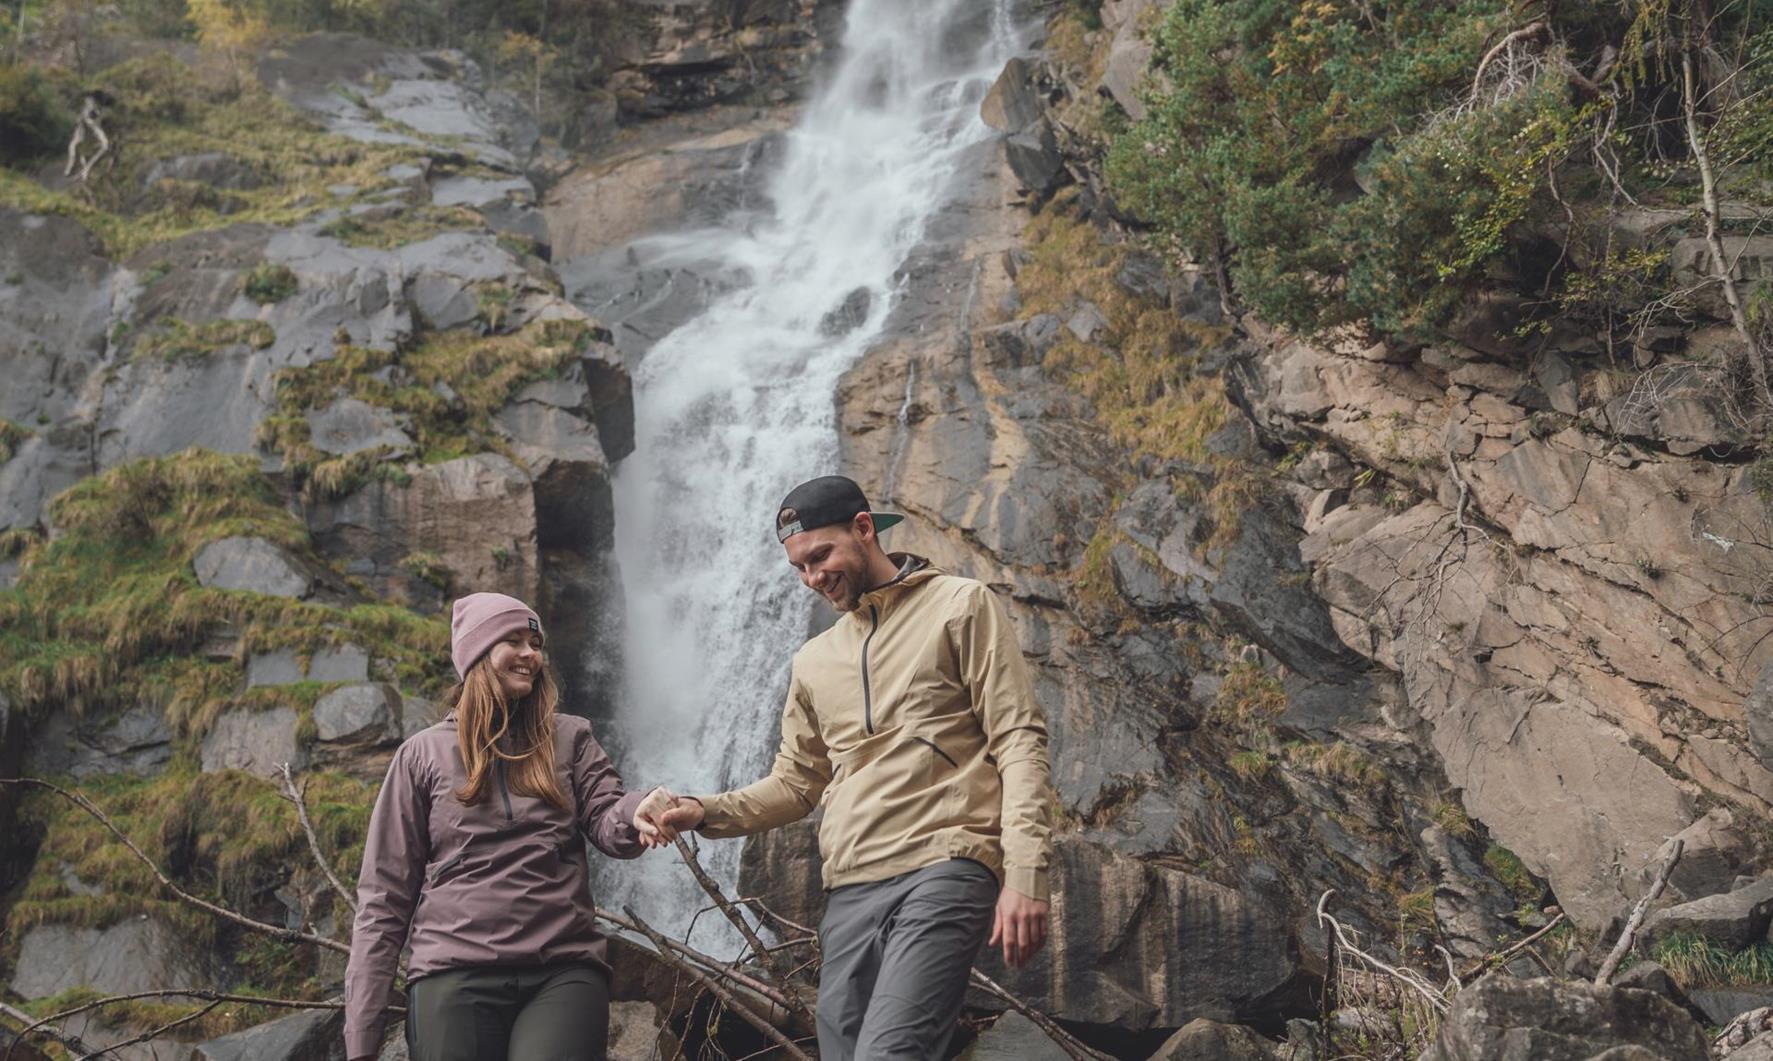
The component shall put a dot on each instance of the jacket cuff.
(1028, 880)
(364, 1040)
(717, 818)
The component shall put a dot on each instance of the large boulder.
(141, 954)
(1133, 945)
(254, 741)
(473, 518)
(308, 1035)
(1731, 919)
(1205, 1040)
(1503, 1019)
(251, 564)
(136, 741)
(358, 713)
(1013, 1038)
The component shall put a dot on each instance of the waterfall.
(737, 405)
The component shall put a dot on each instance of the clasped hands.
(663, 814)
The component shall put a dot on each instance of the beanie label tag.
(533, 625)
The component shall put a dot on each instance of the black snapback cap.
(822, 502)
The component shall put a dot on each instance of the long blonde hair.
(484, 718)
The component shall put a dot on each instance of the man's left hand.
(1020, 924)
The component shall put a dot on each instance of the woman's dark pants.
(553, 1013)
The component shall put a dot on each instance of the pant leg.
(461, 1015)
(931, 939)
(851, 941)
(565, 1016)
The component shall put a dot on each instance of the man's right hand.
(663, 813)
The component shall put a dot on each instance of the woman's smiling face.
(517, 662)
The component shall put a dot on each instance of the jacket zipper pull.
(867, 694)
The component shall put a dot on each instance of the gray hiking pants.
(896, 957)
(491, 1013)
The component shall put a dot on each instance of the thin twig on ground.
(1067, 1042)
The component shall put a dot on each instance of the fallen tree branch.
(719, 990)
(1407, 977)
(708, 962)
(299, 798)
(287, 935)
(764, 954)
(43, 1025)
(1503, 956)
(153, 1033)
(1671, 853)
(1067, 1042)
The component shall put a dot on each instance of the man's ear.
(864, 527)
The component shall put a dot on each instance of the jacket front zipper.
(504, 792)
(867, 697)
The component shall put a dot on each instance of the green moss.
(1695, 961)
(1337, 761)
(483, 372)
(1512, 873)
(177, 340)
(11, 435)
(110, 613)
(269, 283)
(1249, 764)
(164, 109)
(397, 226)
(1451, 817)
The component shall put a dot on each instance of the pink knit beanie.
(480, 621)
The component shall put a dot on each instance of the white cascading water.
(737, 405)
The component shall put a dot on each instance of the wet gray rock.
(136, 742)
(254, 741)
(350, 425)
(1129, 55)
(253, 565)
(1034, 157)
(571, 477)
(1732, 919)
(338, 663)
(848, 316)
(1013, 102)
(140, 954)
(1503, 1019)
(1013, 1038)
(1652, 977)
(358, 713)
(1469, 903)
(1086, 322)
(1205, 1040)
(311, 1035)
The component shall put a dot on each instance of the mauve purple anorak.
(500, 883)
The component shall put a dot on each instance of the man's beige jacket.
(914, 718)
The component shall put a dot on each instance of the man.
(914, 718)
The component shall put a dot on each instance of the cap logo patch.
(533, 625)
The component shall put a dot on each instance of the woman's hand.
(662, 813)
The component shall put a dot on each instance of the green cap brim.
(883, 520)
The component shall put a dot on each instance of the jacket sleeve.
(793, 787)
(606, 809)
(395, 854)
(995, 672)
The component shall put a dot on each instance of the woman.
(474, 859)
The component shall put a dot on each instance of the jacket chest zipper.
(504, 792)
(867, 695)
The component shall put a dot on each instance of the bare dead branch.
(1067, 1042)
(707, 962)
(1670, 853)
(1531, 29)
(278, 932)
(299, 798)
(719, 990)
(154, 1033)
(1408, 979)
(29, 1024)
(764, 954)
(1503, 956)
(1708, 198)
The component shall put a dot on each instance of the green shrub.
(33, 120)
(1695, 961)
(269, 283)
